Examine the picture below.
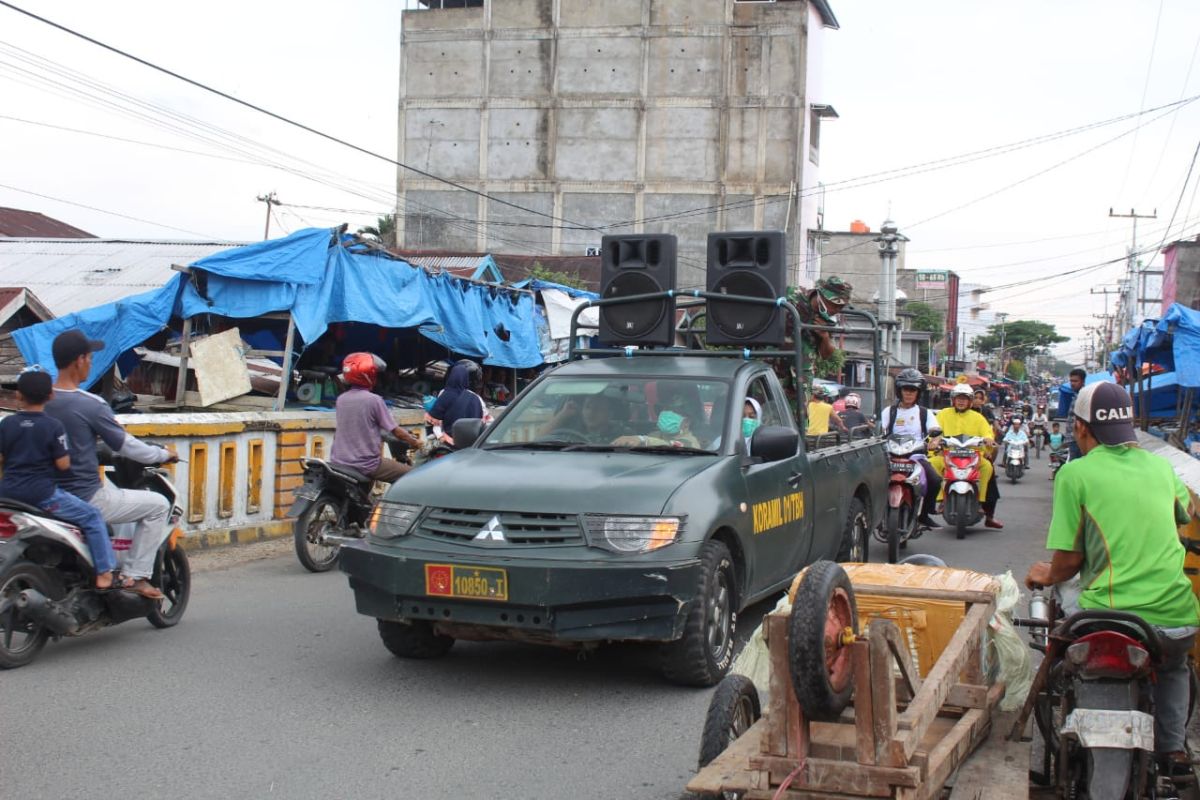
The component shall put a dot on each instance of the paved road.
(274, 687)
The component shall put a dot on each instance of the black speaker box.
(753, 264)
(632, 265)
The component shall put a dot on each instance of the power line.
(110, 213)
(281, 118)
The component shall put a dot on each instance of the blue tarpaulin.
(329, 284)
(1183, 324)
(1066, 394)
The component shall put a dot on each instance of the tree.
(1016, 370)
(540, 272)
(1022, 339)
(383, 231)
(926, 318)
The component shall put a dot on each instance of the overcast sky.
(913, 82)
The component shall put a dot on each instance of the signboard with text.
(935, 279)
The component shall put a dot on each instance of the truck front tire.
(703, 655)
(414, 639)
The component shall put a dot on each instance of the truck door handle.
(794, 479)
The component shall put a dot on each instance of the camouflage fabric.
(833, 289)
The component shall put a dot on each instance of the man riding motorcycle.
(362, 417)
(961, 420)
(87, 418)
(907, 417)
(1114, 524)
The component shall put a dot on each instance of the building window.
(816, 113)
(422, 5)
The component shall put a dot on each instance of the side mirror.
(465, 432)
(774, 443)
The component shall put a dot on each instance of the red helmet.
(362, 369)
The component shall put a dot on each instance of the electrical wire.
(110, 213)
(1145, 89)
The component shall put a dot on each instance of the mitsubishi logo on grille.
(492, 532)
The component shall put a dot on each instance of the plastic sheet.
(1007, 651)
(914, 577)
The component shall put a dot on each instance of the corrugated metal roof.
(69, 275)
(16, 222)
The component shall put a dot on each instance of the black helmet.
(474, 373)
(910, 378)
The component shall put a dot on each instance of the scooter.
(906, 493)
(1014, 462)
(1092, 701)
(1059, 457)
(332, 507)
(962, 508)
(48, 578)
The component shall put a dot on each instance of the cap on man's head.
(70, 345)
(34, 385)
(1107, 410)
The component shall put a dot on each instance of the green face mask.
(669, 422)
(749, 426)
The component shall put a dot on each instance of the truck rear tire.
(822, 610)
(703, 655)
(856, 536)
(414, 639)
(733, 709)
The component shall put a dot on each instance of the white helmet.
(962, 390)
(853, 401)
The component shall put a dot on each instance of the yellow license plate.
(472, 583)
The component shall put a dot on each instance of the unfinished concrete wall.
(622, 111)
(855, 257)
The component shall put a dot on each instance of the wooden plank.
(962, 595)
(864, 715)
(999, 770)
(730, 771)
(883, 695)
(185, 347)
(899, 648)
(947, 754)
(285, 372)
(775, 740)
(966, 695)
(822, 774)
(942, 677)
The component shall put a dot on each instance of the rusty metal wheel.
(823, 623)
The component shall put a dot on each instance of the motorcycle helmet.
(962, 390)
(853, 401)
(362, 369)
(923, 560)
(909, 378)
(474, 373)
(1017, 419)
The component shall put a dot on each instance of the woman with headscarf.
(458, 401)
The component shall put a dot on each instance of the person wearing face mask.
(672, 430)
(751, 419)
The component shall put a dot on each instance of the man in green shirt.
(1116, 512)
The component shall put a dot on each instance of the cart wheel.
(733, 709)
(823, 612)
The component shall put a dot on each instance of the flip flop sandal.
(147, 591)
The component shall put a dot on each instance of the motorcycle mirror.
(466, 432)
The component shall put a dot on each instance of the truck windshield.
(651, 414)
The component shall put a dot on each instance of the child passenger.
(33, 448)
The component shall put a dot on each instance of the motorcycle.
(906, 494)
(1039, 439)
(332, 507)
(1059, 457)
(1014, 461)
(1092, 701)
(961, 508)
(48, 578)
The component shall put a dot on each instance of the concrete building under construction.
(622, 116)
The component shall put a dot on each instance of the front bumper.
(551, 600)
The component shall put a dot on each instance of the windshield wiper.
(593, 448)
(666, 448)
(543, 445)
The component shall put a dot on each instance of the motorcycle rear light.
(1108, 654)
(8, 528)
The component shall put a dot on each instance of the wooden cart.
(901, 736)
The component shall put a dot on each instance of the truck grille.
(463, 525)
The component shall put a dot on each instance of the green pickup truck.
(576, 519)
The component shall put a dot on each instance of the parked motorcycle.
(1038, 437)
(1093, 702)
(333, 506)
(1014, 462)
(906, 493)
(961, 508)
(48, 578)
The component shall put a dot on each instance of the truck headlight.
(392, 520)
(633, 534)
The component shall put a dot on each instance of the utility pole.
(271, 200)
(1132, 295)
(889, 241)
(1106, 291)
(1002, 316)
